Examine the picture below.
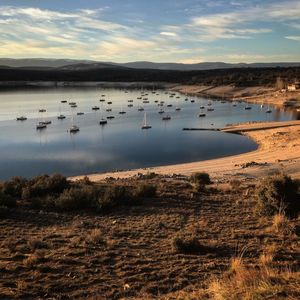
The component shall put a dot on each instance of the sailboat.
(268, 111)
(41, 125)
(60, 116)
(248, 107)
(73, 128)
(145, 125)
(166, 118)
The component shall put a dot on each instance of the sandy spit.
(279, 150)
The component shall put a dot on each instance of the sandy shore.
(255, 94)
(279, 149)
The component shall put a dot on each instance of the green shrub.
(200, 178)
(276, 193)
(77, 198)
(14, 186)
(45, 185)
(186, 245)
(145, 191)
(113, 196)
(7, 200)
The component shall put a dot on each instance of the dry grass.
(127, 252)
(282, 225)
(260, 282)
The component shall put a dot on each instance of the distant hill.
(69, 64)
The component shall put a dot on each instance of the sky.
(185, 31)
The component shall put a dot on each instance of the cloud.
(167, 33)
(294, 38)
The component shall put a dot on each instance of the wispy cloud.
(293, 37)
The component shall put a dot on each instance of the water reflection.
(121, 144)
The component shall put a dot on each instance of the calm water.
(121, 144)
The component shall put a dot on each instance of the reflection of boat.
(166, 118)
(145, 125)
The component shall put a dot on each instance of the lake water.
(121, 144)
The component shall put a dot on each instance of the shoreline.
(278, 150)
(255, 94)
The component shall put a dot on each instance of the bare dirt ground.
(48, 255)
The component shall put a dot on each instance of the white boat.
(145, 125)
(73, 128)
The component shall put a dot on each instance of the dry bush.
(37, 244)
(145, 191)
(7, 200)
(275, 193)
(186, 245)
(235, 184)
(95, 237)
(200, 180)
(281, 224)
(35, 258)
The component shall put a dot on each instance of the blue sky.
(187, 31)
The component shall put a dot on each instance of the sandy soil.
(279, 150)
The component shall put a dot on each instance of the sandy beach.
(278, 150)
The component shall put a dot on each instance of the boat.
(268, 111)
(109, 102)
(103, 95)
(166, 118)
(192, 101)
(145, 125)
(169, 105)
(95, 108)
(130, 105)
(110, 117)
(145, 101)
(161, 111)
(210, 109)
(63, 101)
(41, 126)
(247, 107)
(74, 129)
(61, 117)
(201, 115)
(80, 113)
(140, 109)
(103, 122)
(21, 118)
(45, 122)
(177, 108)
(155, 101)
(130, 101)
(122, 112)
(42, 110)
(108, 109)
(72, 103)
(202, 107)
(102, 100)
